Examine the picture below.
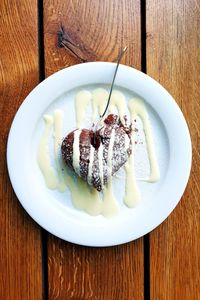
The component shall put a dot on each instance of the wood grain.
(77, 272)
(101, 28)
(20, 251)
(173, 59)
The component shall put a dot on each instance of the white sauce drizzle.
(137, 107)
(110, 152)
(85, 197)
(91, 158)
(132, 193)
(43, 156)
(82, 99)
(100, 159)
(76, 151)
(127, 142)
(109, 206)
(99, 101)
(118, 100)
(58, 126)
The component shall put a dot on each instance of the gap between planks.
(41, 64)
(144, 70)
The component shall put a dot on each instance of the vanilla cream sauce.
(82, 100)
(76, 151)
(85, 197)
(137, 108)
(43, 156)
(58, 135)
(132, 194)
(91, 159)
(99, 101)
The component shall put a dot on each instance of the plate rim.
(43, 85)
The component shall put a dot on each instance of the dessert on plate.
(95, 156)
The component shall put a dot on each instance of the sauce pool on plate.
(85, 197)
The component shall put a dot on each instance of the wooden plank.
(20, 251)
(101, 28)
(77, 272)
(173, 59)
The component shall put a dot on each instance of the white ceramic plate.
(53, 210)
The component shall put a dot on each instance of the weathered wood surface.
(173, 59)
(101, 28)
(20, 251)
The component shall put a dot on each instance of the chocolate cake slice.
(96, 156)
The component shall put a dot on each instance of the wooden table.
(163, 40)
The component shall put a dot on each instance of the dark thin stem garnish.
(109, 97)
(113, 81)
